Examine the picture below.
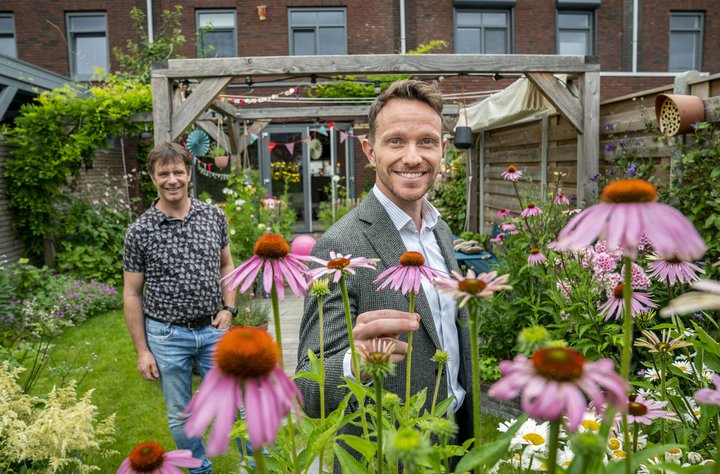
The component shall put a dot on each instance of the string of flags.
(257, 100)
(290, 146)
(205, 170)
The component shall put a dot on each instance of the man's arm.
(132, 297)
(223, 318)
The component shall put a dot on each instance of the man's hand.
(147, 366)
(385, 323)
(223, 319)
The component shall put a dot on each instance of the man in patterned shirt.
(175, 308)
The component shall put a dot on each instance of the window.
(575, 33)
(7, 36)
(317, 31)
(686, 36)
(482, 31)
(88, 43)
(217, 34)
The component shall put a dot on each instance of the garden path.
(291, 311)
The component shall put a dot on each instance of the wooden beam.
(6, 97)
(588, 143)
(559, 96)
(196, 103)
(162, 109)
(312, 111)
(374, 64)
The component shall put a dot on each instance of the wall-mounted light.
(377, 87)
(262, 12)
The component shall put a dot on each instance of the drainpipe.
(402, 26)
(635, 21)
(149, 20)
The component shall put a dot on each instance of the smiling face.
(171, 180)
(406, 151)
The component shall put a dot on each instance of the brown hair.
(408, 89)
(166, 153)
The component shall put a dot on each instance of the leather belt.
(194, 324)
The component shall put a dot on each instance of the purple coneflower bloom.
(629, 208)
(150, 457)
(512, 173)
(560, 198)
(498, 238)
(246, 372)
(536, 257)
(615, 304)
(555, 381)
(472, 285)
(531, 210)
(644, 411)
(339, 265)
(708, 298)
(503, 212)
(709, 396)
(273, 257)
(408, 275)
(671, 270)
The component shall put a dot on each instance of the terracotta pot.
(222, 161)
(676, 113)
(463, 137)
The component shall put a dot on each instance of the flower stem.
(276, 319)
(353, 353)
(437, 388)
(259, 461)
(322, 369)
(408, 366)
(663, 393)
(473, 311)
(627, 351)
(553, 447)
(636, 433)
(379, 422)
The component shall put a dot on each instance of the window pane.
(7, 46)
(222, 42)
(683, 51)
(218, 20)
(331, 18)
(90, 52)
(332, 41)
(6, 24)
(467, 41)
(303, 42)
(573, 42)
(573, 20)
(87, 23)
(495, 42)
(494, 19)
(303, 18)
(684, 22)
(469, 19)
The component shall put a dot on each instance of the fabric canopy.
(519, 100)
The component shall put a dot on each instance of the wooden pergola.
(172, 116)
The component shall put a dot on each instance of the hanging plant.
(220, 156)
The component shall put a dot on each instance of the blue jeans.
(175, 349)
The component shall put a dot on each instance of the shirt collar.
(430, 216)
(160, 217)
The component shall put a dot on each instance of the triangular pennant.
(323, 130)
(290, 147)
(307, 140)
(331, 124)
(253, 138)
(343, 136)
(361, 137)
(271, 146)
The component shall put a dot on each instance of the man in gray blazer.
(405, 145)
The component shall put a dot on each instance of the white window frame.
(72, 54)
(232, 31)
(508, 27)
(699, 34)
(590, 29)
(316, 28)
(10, 33)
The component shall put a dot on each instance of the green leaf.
(347, 462)
(491, 453)
(363, 446)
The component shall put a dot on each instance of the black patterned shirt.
(180, 260)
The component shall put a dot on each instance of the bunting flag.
(343, 136)
(323, 130)
(257, 100)
(204, 169)
(307, 140)
(253, 138)
(290, 147)
(271, 146)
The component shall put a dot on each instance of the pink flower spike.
(556, 382)
(462, 289)
(615, 305)
(629, 209)
(709, 396)
(531, 210)
(645, 411)
(673, 270)
(246, 372)
(273, 257)
(151, 457)
(561, 199)
(340, 265)
(536, 257)
(511, 173)
(408, 274)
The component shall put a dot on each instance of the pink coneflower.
(511, 173)
(531, 210)
(708, 298)
(340, 264)
(408, 275)
(671, 270)
(508, 227)
(503, 212)
(555, 381)
(628, 209)
(560, 198)
(498, 238)
(273, 257)
(536, 257)
(615, 305)
(709, 396)
(644, 411)
(151, 457)
(472, 286)
(246, 372)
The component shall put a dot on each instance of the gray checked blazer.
(368, 231)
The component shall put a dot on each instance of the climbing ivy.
(54, 137)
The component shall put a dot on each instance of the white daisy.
(652, 375)
(531, 435)
(684, 366)
(591, 422)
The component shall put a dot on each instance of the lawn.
(104, 343)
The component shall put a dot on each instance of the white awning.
(519, 100)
